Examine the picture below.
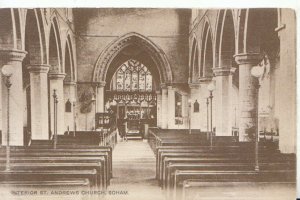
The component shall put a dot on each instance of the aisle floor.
(134, 173)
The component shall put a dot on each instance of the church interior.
(148, 103)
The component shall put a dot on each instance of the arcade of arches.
(147, 67)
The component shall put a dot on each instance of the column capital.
(12, 55)
(194, 85)
(163, 86)
(248, 58)
(100, 83)
(69, 83)
(170, 87)
(57, 75)
(158, 92)
(204, 80)
(35, 68)
(223, 71)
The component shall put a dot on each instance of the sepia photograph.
(148, 103)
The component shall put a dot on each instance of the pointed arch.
(225, 39)
(207, 52)
(240, 45)
(113, 49)
(9, 28)
(55, 50)
(260, 35)
(193, 74)
(69, 61)
(34, 37)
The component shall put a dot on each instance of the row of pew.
(188, 167)
(77, 163)
(105, 137)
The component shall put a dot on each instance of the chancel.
(136, 103)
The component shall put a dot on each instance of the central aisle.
(134, 171)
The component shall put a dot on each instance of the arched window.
(196, 106)
(68, 106)
(133, 76)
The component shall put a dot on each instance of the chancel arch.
(156, 55)
(133, 55)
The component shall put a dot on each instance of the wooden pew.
(65, 154)
(75, 147)
(101, 182)
(172, 167)
(228, 190)
(58, 159)
(64, 183)
(49, 175)
(242, 156)
(161, 163)
(221, 176)
(64, 149)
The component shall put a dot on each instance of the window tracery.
(133, 76)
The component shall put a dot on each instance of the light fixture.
(189, 115)
(211, 86)
(73, 100)
(7, 70)
(93, 98)
(257, 71)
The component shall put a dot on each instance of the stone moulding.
(115, 47)
(12, 55)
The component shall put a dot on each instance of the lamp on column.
(211, 88)
(189, 112)
(93, 100)
(7, 71)
(257, 72)
(74, 115)
(207, 118)
(55, 102)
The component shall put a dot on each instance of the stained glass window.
(133, 76)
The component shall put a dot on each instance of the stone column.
(158, 107)
(164, 107)
(223, 95)
(171, 107)
(14, 58)
(39, 101)
(185, 110)
(247, 93)
(286, 87)
(69, 94)
(100, 97)
(57, 83)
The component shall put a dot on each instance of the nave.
(219, 85)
